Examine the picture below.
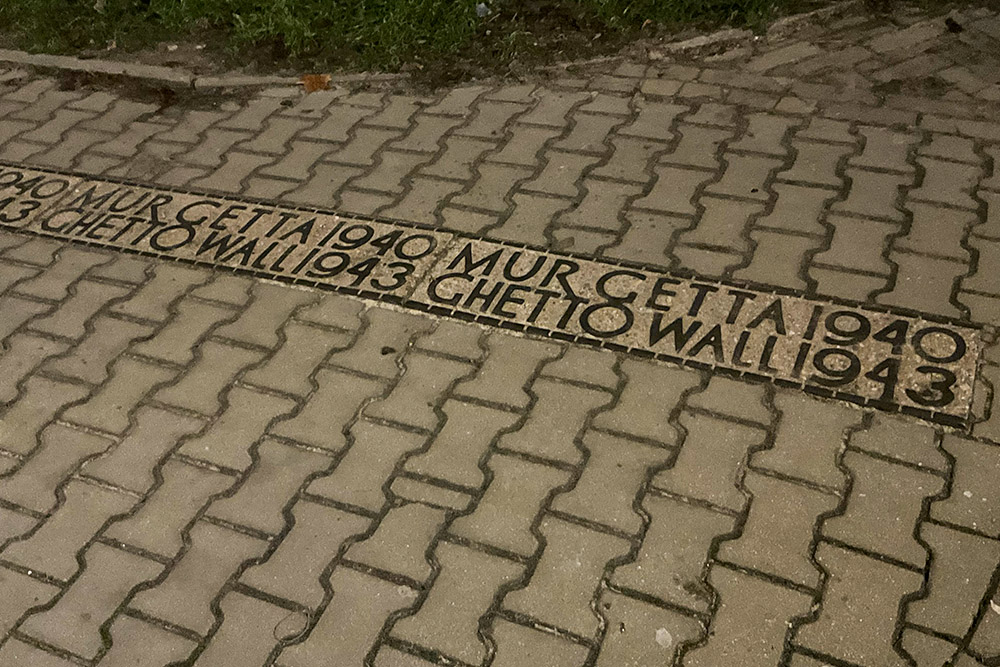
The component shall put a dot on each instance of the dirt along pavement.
(672, 362)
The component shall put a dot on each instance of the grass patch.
(377, 34)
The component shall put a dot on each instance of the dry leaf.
(314, 82)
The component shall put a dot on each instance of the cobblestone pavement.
(203, 468)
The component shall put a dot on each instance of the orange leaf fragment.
(314, 82)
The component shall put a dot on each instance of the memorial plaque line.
(888, 358)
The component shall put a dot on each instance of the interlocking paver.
(278, 473)
(883, 507)
(861, 602)
(293, 570)
(560, 591)
(361, 474)
(751, 622)
(671, 562)
(52, 549)
(74, 622)
(504, 515)
(242, 422)
(346, 630)
(184, 596)
(639, 633)
(60, 451)
(463, 588)
(158, 524)
(110, 407)
(400, 542)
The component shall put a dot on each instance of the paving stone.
(846, 284)
(560, 595)
(346, 630)
(787, 54)
(54, 283)
(630, 159)
(382, 343)
(561, 175)
(400, 542)
(153, 300)
(228, 441)
(960, 572)
(337, 126)
(552, 107)
(492, 117)
(531, 219)
(17, 312)
(926, 649)
(215, 368)
(61, 450)
(303, 348)
(294, 569)
(765, 134)
(70, 319)
(971, 503)
(447, 621)
(602, 205)
(647, 237)
(41, 401)
(260, 322)
(14, 524)
(589, 133)
(873, 194)
(671, 561)
(249, 631)
(641, 411)
(816, 163)
(555, 421)
(509, 365)
(699, 147)
(414, 400)
(135, 643)
(454, 453)
(937, 231)
(857, 622)
(523, 145)
(986, 639)
(722, 223)
(777, 537)
(337, 399)
(723, 447)
(21, 593)
(320, 189)
(23, 354)
(110, 407)
(158, 524)
(857, 244)
(260, 501)
(744, 176)
(947, 183)
(751, 622)
(901, 439)
(924, 283)
(452, 338)
(674, 190)
(883, 508)
(184, 596)
(616, 471)
(641, 634)
(74, 622)
(372, 457)
(505, 514)
(518, 645)
(52, 549)
(778, 259)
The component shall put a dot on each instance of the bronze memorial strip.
(887, 358)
